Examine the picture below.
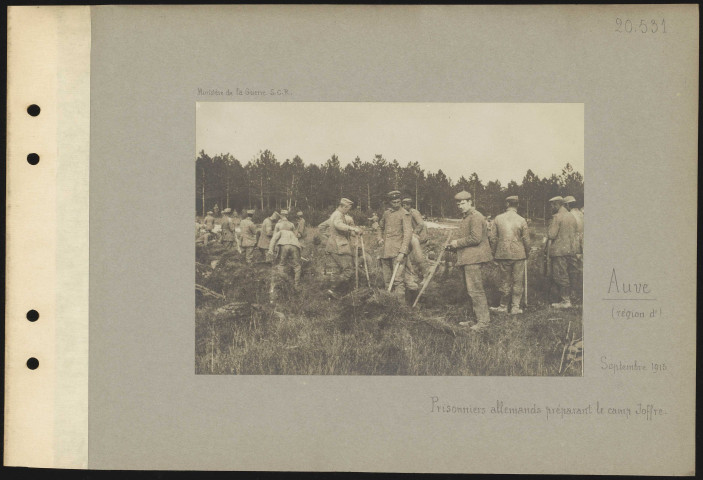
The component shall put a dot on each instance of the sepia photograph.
(389, 239)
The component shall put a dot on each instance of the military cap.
(250, 212)
(569, 199)
(463, 195)
(512, 198)
(284, 212)
(300, 214)
(209, 212)
(407, 200)
(346, 202)
(394, 195)
(557, 199)
(374, 217)
(227, 210)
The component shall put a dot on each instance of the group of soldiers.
(402, 233)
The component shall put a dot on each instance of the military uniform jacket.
(228, 227)
(578, 215)
(338, 241)
(563, 234)
(248, 232)
(266, 233)
(472, 244)
(510, 236)
(396, 231)
(419, 227)
(284, 237)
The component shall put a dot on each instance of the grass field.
(370, 332)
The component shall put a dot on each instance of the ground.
(369, 332)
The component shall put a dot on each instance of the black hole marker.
(33, 110)
(33, 158)
(32, 315)
(32, 363)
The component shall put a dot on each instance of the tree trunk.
(203, 191)
(368, 196)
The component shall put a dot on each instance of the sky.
(495, 140)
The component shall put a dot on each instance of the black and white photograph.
(389, 239)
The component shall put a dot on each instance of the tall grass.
(370, 332)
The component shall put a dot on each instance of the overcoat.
(396, 231)
(563, 234)
(472, 244)
(248, 232)
(338, 230)
(510, 236)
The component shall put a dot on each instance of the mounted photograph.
(425, 239)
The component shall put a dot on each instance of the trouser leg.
(417, 256)
(506, 274)
(345, 267)
(518, 277)
(474, 287)
(560, 274)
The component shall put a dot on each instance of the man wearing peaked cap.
(420, 237)
(300, 226)
(510, 239)
(266, 233)
(561, 248)
(577, 281)
(247, 231)
(473, 250)
(338, 246)
(396, 234)
(229, 237)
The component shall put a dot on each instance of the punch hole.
(32, 315)
(32, 363)
(32, 158)
(33, 110)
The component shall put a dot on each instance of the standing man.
(229, 237)
(374, 222)
(288, 246)
(577, 281)
(396, 234)
(420, 237)
(248, 233)
(338, 245)
(473, 250)
(267, 227)
(512, 247)
(209, 221)
(300, 226)
(561, 248)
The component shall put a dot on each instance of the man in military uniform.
(473, 250)
(420, 237)
(577, 280)
(229, 237)
(266, 233)
(285, 240)
(511, 240)
(396, 233)
(561, 248)
(300, 226)
(338, 245)
(209, 221)
(247, 230)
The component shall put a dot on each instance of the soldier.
(396, 234)
(248, 233)
(216, 210)
(285, 240)
(512, 247)
(577, 281)
(473, 250)
(209, 221)
(561, 248)
(338, 245)
(266, 233)
(420, 237)
(300, 226)
(229, 237)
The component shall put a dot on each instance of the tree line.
(265, 183)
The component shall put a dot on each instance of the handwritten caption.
(641, 410)
(629, 299)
